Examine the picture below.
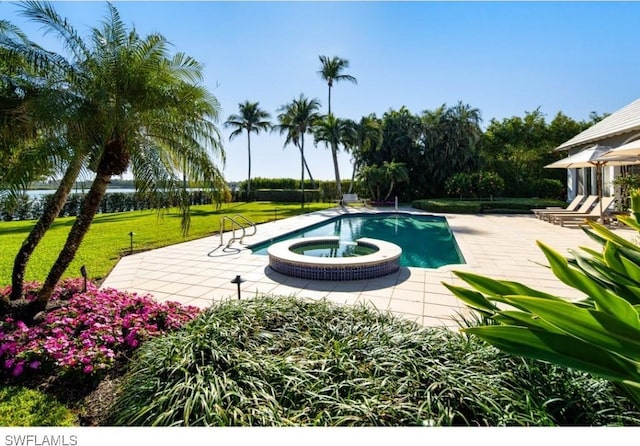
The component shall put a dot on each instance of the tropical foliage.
(476, 184)
(433, 146)
(120, 102)
(334, 132)
(367, 138)
(295, 120)
(251, 119)
(282, 361)
(518, 148)
(331, 70)
(599, 333)
(381, 180)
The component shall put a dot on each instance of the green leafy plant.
(634, 194)
(284, 361)
(599, 334)
(476, 184)
(21, 406)
(626, 183)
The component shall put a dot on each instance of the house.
(620, 127)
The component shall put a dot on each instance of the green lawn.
(108, 239)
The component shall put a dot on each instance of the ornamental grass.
(283, 361)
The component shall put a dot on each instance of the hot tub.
(368, 259)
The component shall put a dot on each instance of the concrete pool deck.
(200, 272)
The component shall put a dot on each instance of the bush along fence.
(479, 206)
(288, 190)
(30, 208)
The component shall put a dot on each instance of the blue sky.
(504, 58)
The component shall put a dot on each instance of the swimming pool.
(426, 240)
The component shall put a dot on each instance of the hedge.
(498, 206)
(286, 195)
(26, 208)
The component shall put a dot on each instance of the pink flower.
(19, 368)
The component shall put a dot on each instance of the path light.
(238, 280)
(275, 214)
(83, 271)
(131, 234)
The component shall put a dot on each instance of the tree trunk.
(336, 168)
(79, 229)
(302, 164)
(329, 113)
(51, 211)
(390, 190)
(353, 175)
(249, 157)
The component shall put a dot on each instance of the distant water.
(38, 192)
(124, 190)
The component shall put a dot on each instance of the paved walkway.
(199, 272)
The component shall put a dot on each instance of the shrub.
(460, 185)
(88, 334)
(474, 185)
(598, 334)
(626, 183)
(286, 195)
(488, 184)
(282, 361)
(501, 205)
(457, 207)
(548, 188)
(24, 407)
(31, 208)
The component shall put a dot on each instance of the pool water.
(338, 249)
(426, 240)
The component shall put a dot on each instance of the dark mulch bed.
(89, 398)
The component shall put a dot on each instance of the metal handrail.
(234, 224)
(233, 228)
(251, 224)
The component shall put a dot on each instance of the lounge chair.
(573, 206)
(584, 208)
(350, 198)
(577, 218)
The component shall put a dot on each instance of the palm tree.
(449, 137)
(131, 106)
(367, 137)
(333, 132)
(331, 71)
(297, 118)
(37, 126)
(251, 119)
(373, 177)
(394, 173)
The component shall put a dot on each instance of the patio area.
(200, 272)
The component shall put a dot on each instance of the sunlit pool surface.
(426, 240)
(338, 249)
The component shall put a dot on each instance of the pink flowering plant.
(87, 334)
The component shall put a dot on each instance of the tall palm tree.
(133, 107)
(295, 119)
(331, 71)
(252, 119)
(333, 132)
